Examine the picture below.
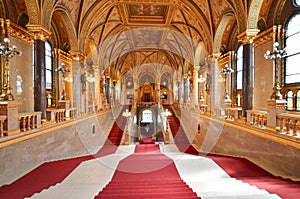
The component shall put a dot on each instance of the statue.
(83, 81)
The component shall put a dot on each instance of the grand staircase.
(147, 174)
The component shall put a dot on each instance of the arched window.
(48, 62)
(239, 68)
(292, 69)
(289, 99)
(298, 100)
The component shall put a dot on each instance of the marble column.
(248, 78)
(78, 59)
(40, 78)
(107, 88)
(186, 89)
(213, 84)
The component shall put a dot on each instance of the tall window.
(289, 99)
(298, 101)
(292, 69)
(239, 67)
(49, 70)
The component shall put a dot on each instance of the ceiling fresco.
(118, 27)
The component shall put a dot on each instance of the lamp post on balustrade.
(226, 71)
(276, 56)
(7, 52)
(126, 114)
(63, 69)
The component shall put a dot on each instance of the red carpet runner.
(51, 173)
(147, 174)
(239, 168)
(248, 172)
(179, 135)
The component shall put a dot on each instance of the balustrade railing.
(289, 123)
(257, 118)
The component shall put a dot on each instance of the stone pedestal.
(64, 104)
(274, 107)
(224, 105)
(10, 110)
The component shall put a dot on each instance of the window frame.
(295, 55)
(48, 67)
(239, 59)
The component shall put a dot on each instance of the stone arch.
(219, 33)
(47, 12)
(67, 21)
(33, 12)
(254, 11)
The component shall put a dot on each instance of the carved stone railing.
(57, 115)
(257, 118)
(29, 121)
(288, 122)
(2, 120)
(233, 113)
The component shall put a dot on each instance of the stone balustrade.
(257, 118)
(233, 113)
(288, 122)
(29, 121)
(56, 115)
(2, 120)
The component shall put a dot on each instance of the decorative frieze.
(263, 38)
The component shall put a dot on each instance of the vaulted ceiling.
(129, 33)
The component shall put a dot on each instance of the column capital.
(62, 55)
(213, 57)
(248, 36)
(78, 56)
(39, 32)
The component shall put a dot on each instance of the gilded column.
(41, 34)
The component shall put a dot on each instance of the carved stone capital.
(39, 32)
(248, 36)
(78, 56)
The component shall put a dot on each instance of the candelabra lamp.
(7, 52)
(63, 69)
(226, 71)
(276, 56)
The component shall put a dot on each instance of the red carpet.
(147, 174)
(243, 169)
(51, 173)
(179, 135)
